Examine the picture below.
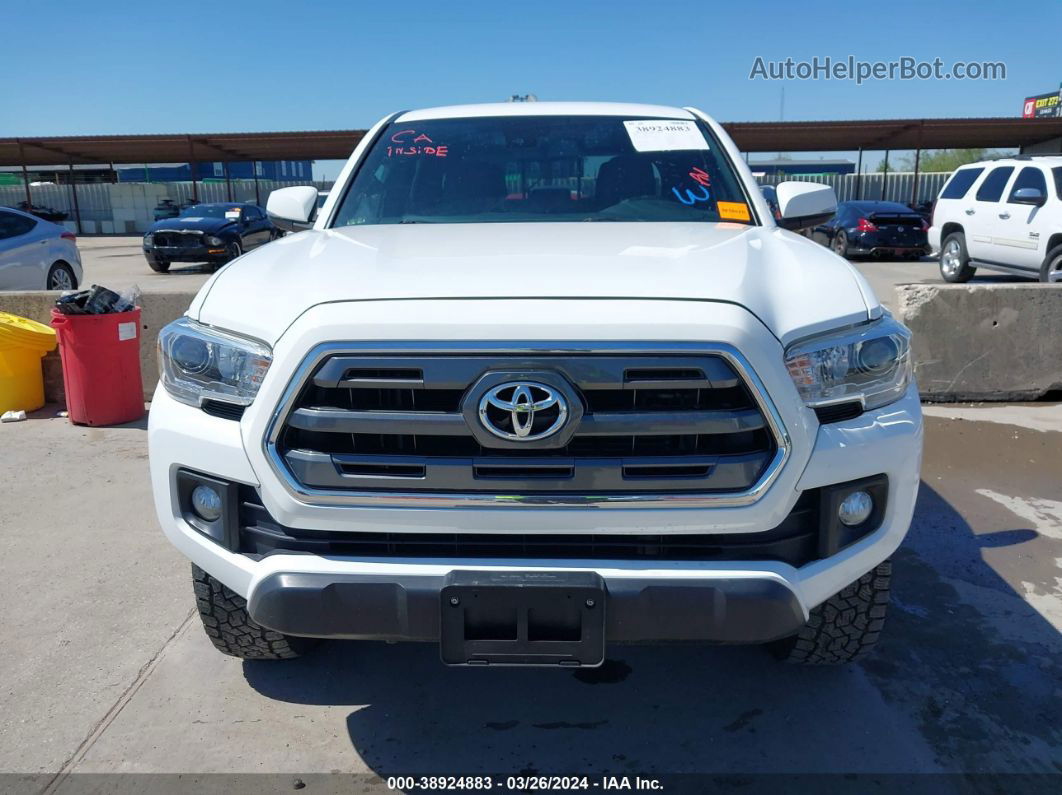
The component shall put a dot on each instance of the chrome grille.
(177, 239)
(651, 424)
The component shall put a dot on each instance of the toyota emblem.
(523, 411)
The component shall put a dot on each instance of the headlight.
(197, 362)
(215, 241)
(149, 240)
(871, 364)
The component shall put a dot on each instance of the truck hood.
(795, 287)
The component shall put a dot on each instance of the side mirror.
(1031, 196)
(292, 209)
(804, 204)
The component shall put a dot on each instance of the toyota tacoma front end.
(538, 379)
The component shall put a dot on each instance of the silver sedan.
(36, 254)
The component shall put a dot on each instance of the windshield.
(210, 211)
(544, 168)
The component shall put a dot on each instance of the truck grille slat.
(720, 473)
(794, 541)
(650, 423)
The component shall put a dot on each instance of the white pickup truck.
(535, 379)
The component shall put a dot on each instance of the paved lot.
(118, 262)
(105, 669)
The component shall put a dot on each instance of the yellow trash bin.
(22, 345)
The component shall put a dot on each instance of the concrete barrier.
(971, 341)
(156, 310)
(984, 341)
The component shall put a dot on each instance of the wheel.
(158, 265)
(954, 261)
(232, 251)
(846, 626)
(61, 277)
(840, 244)
(231, 629)
(1051, 270)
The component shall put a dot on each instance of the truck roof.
(629, 110)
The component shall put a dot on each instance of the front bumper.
(731, 601)
(186, 254)
(639, 607)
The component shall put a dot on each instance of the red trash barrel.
(101, 366)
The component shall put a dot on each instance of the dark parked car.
(44, 213)
(213, 233)
(876, 229)
(167, 208)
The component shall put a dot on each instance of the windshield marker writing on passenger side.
(662, 135)
(691, 197)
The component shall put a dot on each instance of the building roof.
(631, 111)
(876, 134)
(756, 136)
(181, 148)
(785, 161)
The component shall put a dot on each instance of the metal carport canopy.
(765, 136)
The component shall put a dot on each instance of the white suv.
(539, 378)
(1003, 215)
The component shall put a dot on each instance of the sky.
(79, 68)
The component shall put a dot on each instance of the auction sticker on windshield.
(733, 211)
(662, 135)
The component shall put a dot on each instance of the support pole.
(25, 176)
(228, 180)
(194, 169)
(859, 176)
(254, 170)
(73, 192)
(885, 178)
(914, 184)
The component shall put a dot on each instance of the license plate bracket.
(522, 618)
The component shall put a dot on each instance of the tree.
(940, 160)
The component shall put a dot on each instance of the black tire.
(158, 265)
(61, 277)
(846, 626)
(961, 273)
(231, 629)
(233, 250)
(1052, 266)
(839, 244)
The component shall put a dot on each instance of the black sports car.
(874, 228)
(44, 213)
(212, 233)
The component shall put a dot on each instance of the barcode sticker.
(126, 331)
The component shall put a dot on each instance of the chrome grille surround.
(558, 499)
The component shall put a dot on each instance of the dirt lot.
(107, 670)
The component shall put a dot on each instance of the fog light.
(854, 509)
(206, 502)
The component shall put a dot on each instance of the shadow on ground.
(946, 690)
